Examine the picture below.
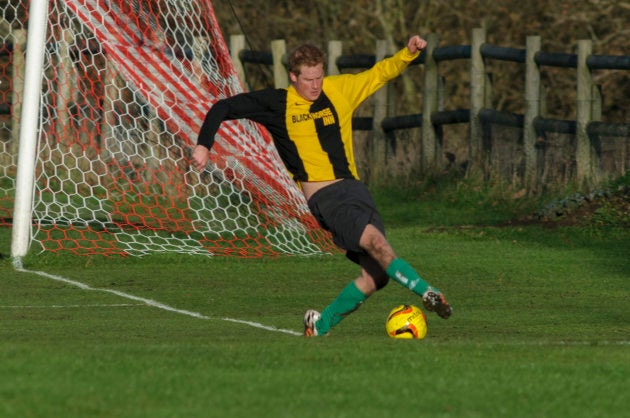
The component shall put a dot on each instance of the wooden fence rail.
(587, 127)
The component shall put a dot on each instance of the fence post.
(430, 96)
(334, 51)
(111, 94)
(378, 145)
(199, 48)
(66, 81)
(17, 82)
(585, 167)
(280, 74)
(237, 44)
(532, 109)
(477, 96)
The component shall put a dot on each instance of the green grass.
(541, 328)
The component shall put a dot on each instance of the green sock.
(348, 300)
(404, 274)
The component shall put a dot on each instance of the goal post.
(24, 182)
(122, 88)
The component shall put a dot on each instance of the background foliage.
(359, 23)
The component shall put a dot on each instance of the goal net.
(126, 86)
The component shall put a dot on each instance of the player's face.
(308, 83)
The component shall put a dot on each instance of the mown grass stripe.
(154, 303)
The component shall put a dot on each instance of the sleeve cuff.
(407, 56)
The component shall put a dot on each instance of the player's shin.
(348, 300)
(401, 272)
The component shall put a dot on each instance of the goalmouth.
(115, 92)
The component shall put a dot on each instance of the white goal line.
(159, 305)
(89, 305)
(153, 303)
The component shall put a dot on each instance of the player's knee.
(371, 238)
(374, 242)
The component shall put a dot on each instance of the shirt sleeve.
(357, 87)
(256, 106)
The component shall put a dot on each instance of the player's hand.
(200, 157)
(416, 44)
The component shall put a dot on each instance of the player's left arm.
(358, 87)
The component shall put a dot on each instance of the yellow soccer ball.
(406, 321)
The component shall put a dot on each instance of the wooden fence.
(588, 129)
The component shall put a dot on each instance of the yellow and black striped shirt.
(314, 139)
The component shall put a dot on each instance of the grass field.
(541, 328)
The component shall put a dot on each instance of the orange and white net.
(127, 85)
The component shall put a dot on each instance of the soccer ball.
(406, 321)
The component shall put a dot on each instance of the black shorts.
(345, 208)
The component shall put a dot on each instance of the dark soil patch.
(606, 208)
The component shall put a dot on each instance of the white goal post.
(22, 212)
(115, 92)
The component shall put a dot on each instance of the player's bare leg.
(375, 243)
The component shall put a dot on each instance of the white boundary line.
(159, 305)
(89, 305)
(153, 303)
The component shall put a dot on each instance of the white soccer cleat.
(310, 319)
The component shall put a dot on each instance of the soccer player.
(311, 126)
